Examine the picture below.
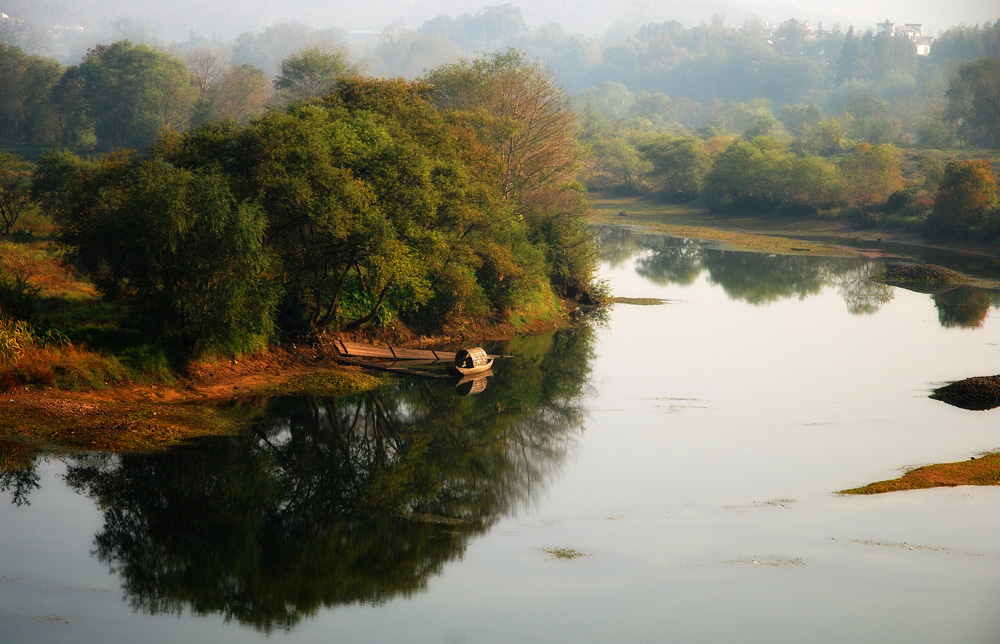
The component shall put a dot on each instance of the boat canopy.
(471, 358)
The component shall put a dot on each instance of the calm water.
(690, 452)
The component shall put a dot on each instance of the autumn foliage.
(966, 199)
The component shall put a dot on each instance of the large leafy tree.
(974, 102)
(519, 112)
(175, 244)
(871, 173)
(965, 198)
(26, 111)
(679, 163)
(749, 174)
(524, 115)
(618, 159)
(763, 173)
(374, 207)
(15, 190)
(132, 93)
(311, 72)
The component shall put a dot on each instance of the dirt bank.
(139, 416)
(984, 470)
(136, 416)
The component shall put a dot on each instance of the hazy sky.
(174, 19)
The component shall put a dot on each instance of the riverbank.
(138, 416)
(134, 416)
(815, 235)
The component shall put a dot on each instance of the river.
(666, 473)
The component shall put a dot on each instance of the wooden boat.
(472, 361)
(467, 362)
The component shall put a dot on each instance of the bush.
(18, 297)
(148, 363)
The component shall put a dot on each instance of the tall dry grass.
(17, 339)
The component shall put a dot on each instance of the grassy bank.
(743, 232)
(134, 416)
(818, 234)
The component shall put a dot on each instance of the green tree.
(378, 209)
(26, 110)
(871, 173)
(133, 93)
(620, 161)
(798, 118)
(965, 198)
(679, 163)
(69, 98)
(827, 137)
(967, 42)
(811, 182)
(974, 102)
(749, 174)
(311, 72)
(175, 245)
(521, 114)
(15, 190)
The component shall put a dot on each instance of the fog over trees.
(226, 19)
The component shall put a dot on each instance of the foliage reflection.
(17, 471)
(759, 278)
(336, 501)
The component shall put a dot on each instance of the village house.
(911, 30)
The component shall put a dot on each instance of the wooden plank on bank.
(368, 364)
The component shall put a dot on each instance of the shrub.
(18, 296)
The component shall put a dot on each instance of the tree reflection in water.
(755, 278)
(863, 295)
(761, 278)
(326, 502)
(964, 306)
(17, 471)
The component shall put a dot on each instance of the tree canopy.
(369, 206)
(974, 102)
(966, 198)
(311, 72)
